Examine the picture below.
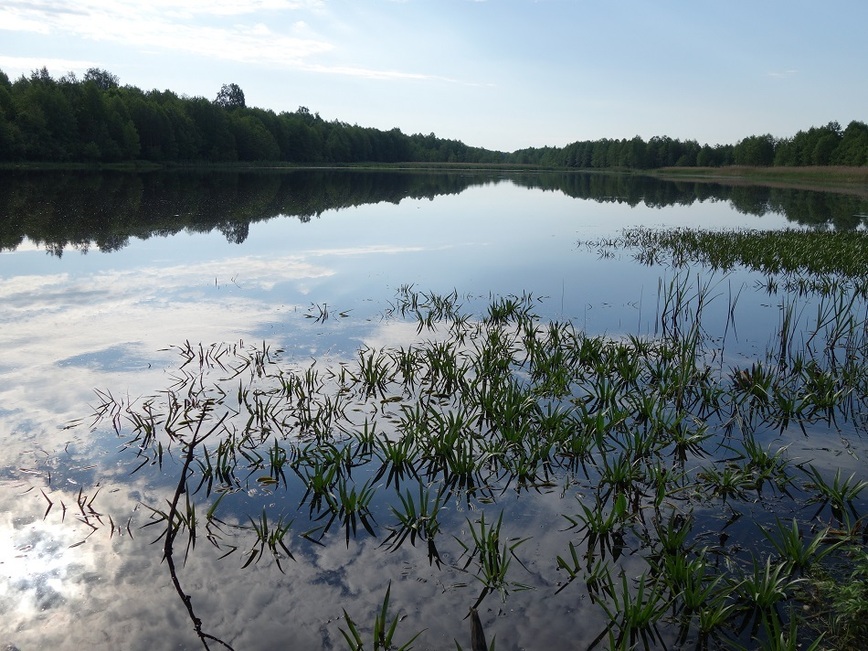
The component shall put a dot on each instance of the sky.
(499, 74)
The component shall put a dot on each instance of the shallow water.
(100, 276)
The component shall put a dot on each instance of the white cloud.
(171, 26)
(371, 250)
(14, 66)
(257, 32)
(132, 311)
(13, 21)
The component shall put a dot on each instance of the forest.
(97, 120)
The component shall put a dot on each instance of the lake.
(282, 394)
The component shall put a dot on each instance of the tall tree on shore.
(758, 151)
(230, 96)
(103, 79)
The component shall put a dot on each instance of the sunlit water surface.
(106, 320)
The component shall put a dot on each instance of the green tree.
(634, 153)
(103, 79)
(230, 96)
(45, 118)
(826, 145)
(253, 141)
(156, 138)
(338, 145)
(756, 151)
(212, 122)
(853, 148)
(600, 155)
(9, 135)
(688, 153)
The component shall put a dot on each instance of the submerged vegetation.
(680, 516)
(828, 257)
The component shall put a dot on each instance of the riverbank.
(847, 180)
(844, 180)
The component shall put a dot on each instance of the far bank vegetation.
(95, 120)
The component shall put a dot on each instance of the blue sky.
(500, 74)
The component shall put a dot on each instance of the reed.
(634, 612)
(382, 633)
(492, 556)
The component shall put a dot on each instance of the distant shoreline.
(845, 180)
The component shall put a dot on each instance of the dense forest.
(96, 120)
(828, 145)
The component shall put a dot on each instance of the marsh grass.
(793, 547)
(834, 254)
(417, 518)
(382, 631)
(648, 434)
(634, 611)
(837, 600)
(271, 537)
(838, 493)
(492, 556)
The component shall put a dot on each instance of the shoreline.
(840, 180)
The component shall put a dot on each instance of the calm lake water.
(101, 275)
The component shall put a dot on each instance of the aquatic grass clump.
(382, 632)
(270, 536)
(417, 518)
(492, 555)
(634, 612)
(374, 373)
(650, 434)
(836, 600)
(763, 465)
(399, 458)
(503, 309)
(731, 482)
(601, 529)
(790, 251)
(839, 493)
(793, 548)
(763, 589)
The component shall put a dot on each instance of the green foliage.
(788, 251)
(230, 96)
(843, 602)
(634, 612)
(44, 120)
(502, 403)
(757, 151)
(383, 631)
(96, 120)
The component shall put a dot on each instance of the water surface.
(101, 275)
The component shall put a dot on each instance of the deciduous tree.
(230, 97)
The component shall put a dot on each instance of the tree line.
(96, 120)
(827, 145)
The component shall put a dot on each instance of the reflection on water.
(240, 259)
(81, 210)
